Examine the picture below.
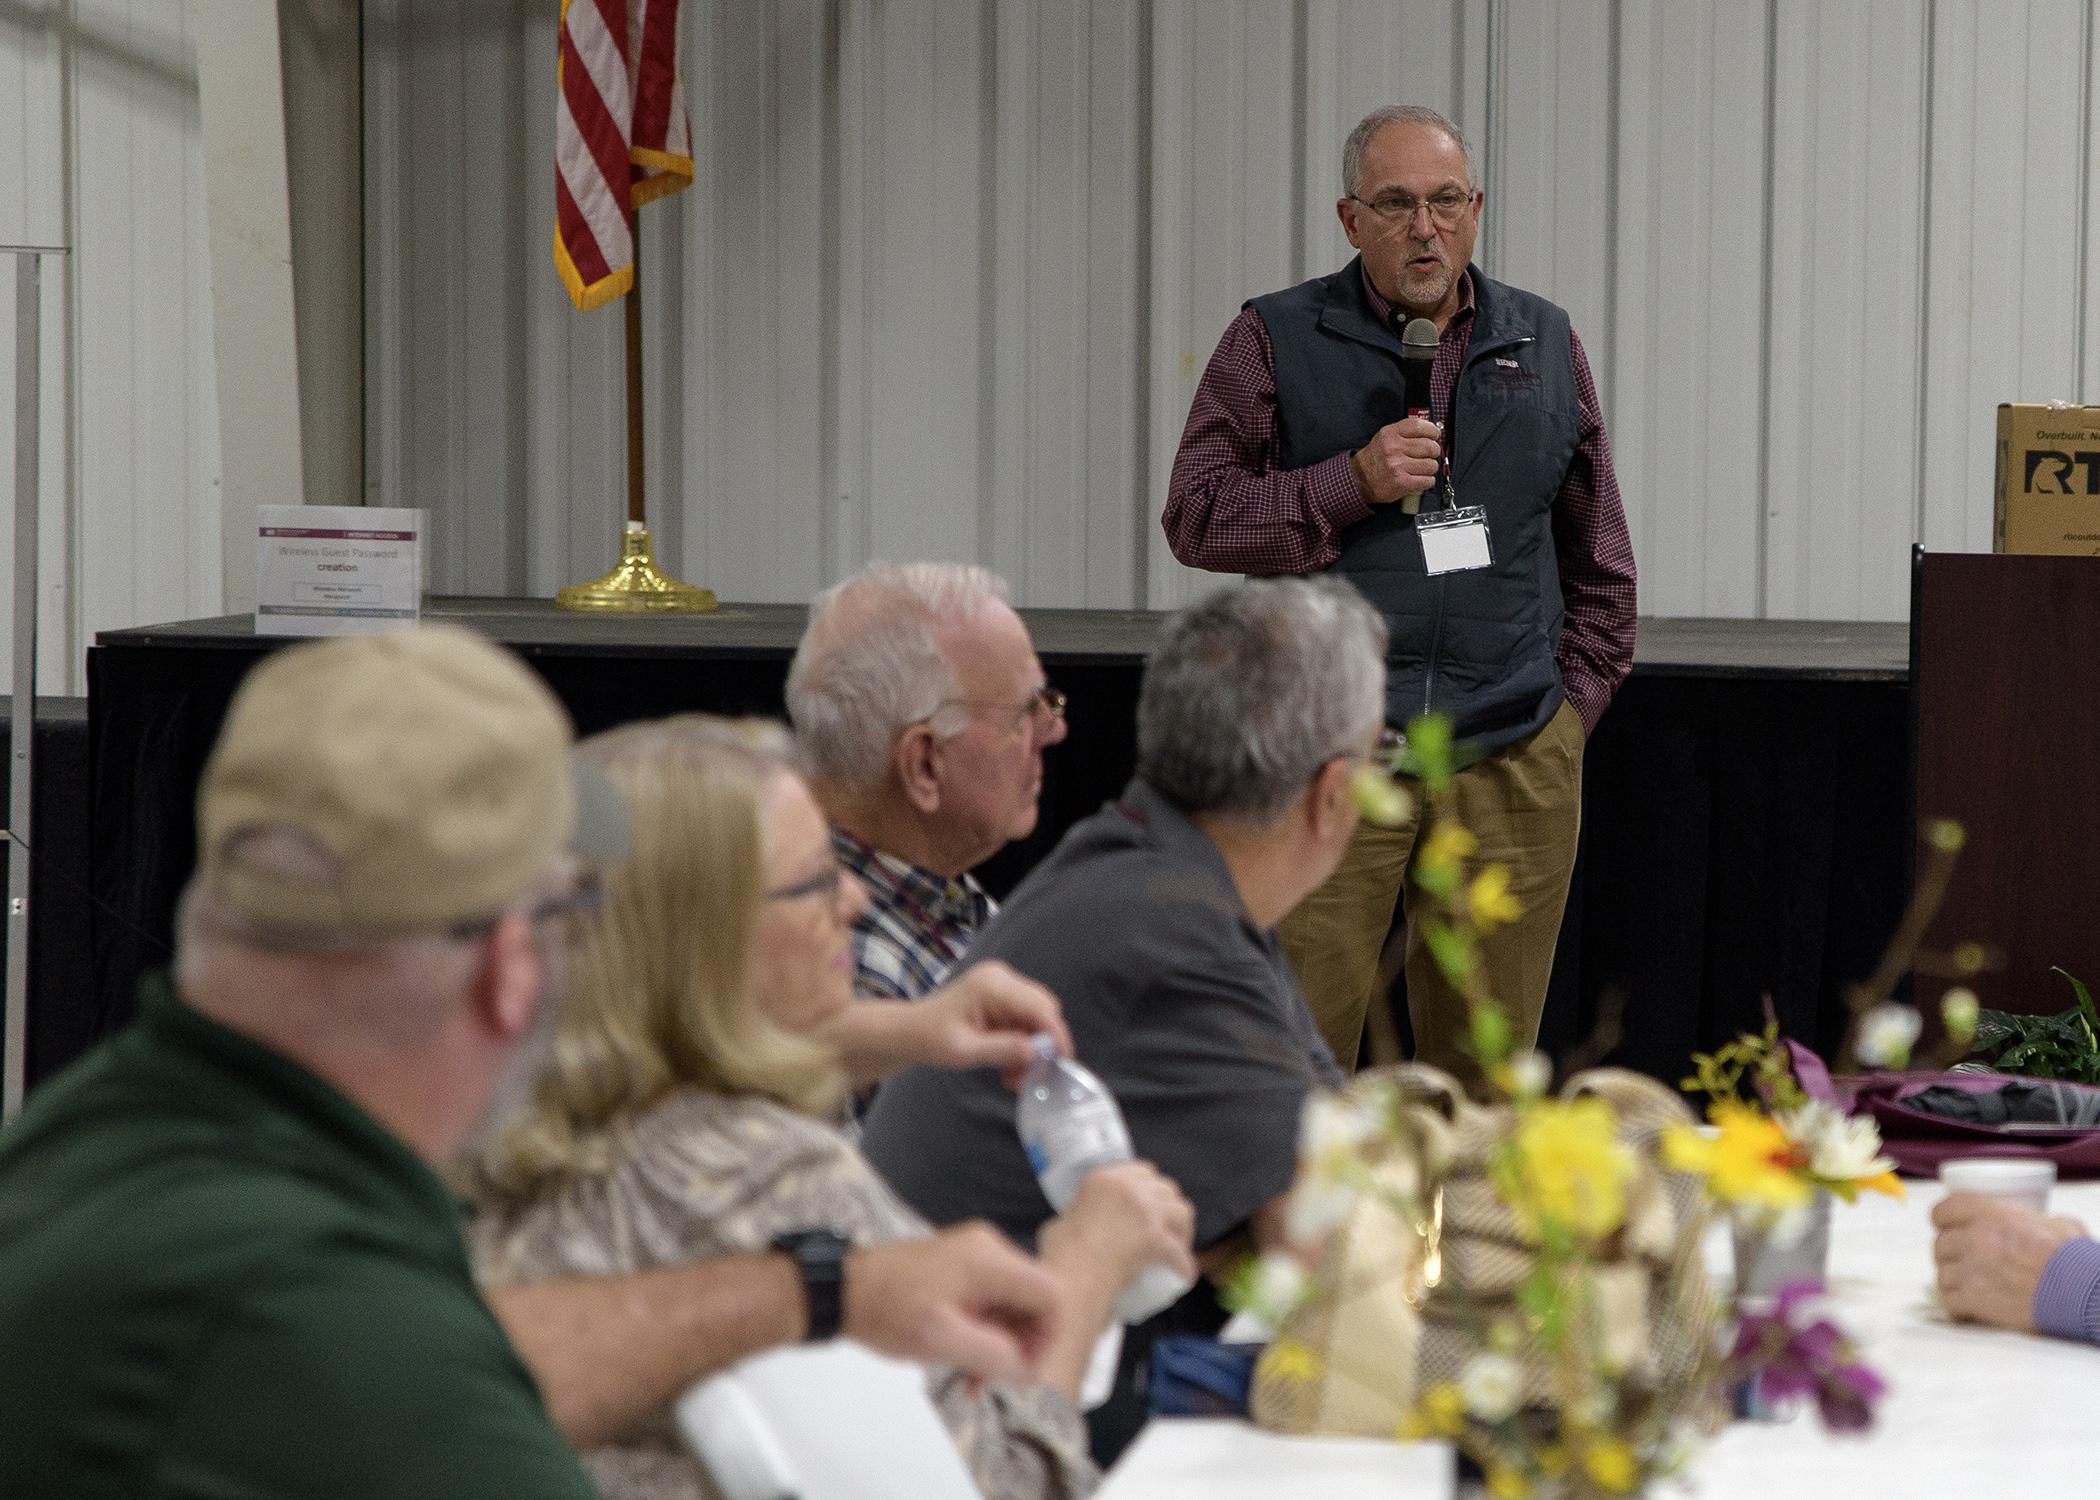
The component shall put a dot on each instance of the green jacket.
(220, 1278)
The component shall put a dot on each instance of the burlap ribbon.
(1403, 1296)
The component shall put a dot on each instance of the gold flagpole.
(637, 585)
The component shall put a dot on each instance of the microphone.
(1417, 354)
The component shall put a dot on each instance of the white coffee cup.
(2019, 1179)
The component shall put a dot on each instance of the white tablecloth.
(1969, 1412)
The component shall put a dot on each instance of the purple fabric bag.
(1918, 1142)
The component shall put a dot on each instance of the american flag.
(621, 138)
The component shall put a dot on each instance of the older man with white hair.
(923, 712)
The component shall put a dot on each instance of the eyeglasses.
(1046, 705)
(826, 885)
(1401, 208)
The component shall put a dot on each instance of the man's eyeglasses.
(1045, 706)
(1401, 208)
(826, 885)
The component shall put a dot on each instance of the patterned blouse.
(709, 1175)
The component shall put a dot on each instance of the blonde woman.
(688, 1109)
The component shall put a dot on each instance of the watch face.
(814, 1245)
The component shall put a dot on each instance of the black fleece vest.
(1477, 646)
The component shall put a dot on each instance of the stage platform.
(1745, 800)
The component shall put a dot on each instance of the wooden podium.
(2005, 672)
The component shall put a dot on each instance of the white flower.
(1885, 1035)
(1529, 1074)
(1278, 1285)
(1492, 1385)
(1679, 1446)
(1841, 1148)
(1316, 1210)
(1332, 1131)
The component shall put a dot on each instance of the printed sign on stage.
(337, 569)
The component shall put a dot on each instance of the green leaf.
(1440, 881)
(1491, 1035)
(2085, 998)
(1451, 949)
(1539, 1295)
(1429, 750)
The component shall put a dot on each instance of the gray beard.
(511, 1093)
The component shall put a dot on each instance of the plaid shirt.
(1230, 509)
(916, 923)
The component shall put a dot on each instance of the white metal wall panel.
(2089, 202)
(756, 309)
(1548, 173)
(1847, 258)
(953, 268)
(1682, 372)
(101, 147)
(2010, 102)
(1223, 194)
(32, 211)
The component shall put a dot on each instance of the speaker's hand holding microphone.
(1402, 458)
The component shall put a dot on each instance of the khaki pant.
(1525, 807)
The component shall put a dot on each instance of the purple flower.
(1787, 1354)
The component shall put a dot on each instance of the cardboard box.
(2048, 489)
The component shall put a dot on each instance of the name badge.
(1455, 540)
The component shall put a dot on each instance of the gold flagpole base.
(637, 585)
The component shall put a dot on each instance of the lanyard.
(1449, 436)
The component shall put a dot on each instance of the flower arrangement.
(1772, 1153)
(1558, 1388)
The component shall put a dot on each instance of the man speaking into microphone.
(1487, 529)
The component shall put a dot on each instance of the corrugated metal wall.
(953, 268)
(112, 163)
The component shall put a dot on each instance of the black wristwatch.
(820, 1256)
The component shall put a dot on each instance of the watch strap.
(820, 1260)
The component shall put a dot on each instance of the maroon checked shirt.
(1231, 510)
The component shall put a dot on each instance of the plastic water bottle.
(1070, 1124)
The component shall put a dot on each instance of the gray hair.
(1254, 688)
(871, 662)
(1396, 114)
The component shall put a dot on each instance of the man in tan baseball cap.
(228, 1265)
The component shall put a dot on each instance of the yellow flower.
(1443, 1410)
(1887, 1182)
(1488, 899)
(1552, 1460)
(1292, 1362)
(1751, 1162)
(1567, 1167)
(1505, 1483)
(1448, 843)
(1611, 1465)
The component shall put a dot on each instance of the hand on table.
(1989, 1256)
